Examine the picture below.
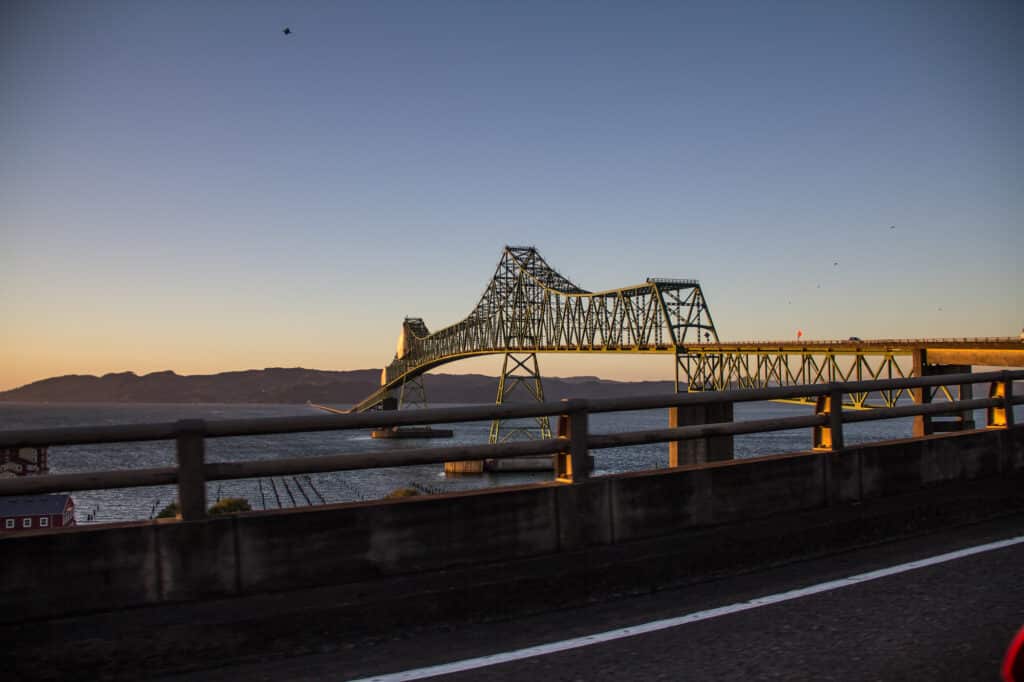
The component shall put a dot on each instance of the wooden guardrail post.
(828, 438)
(922, 394)
(574, 464)
(1000, 416)
(191, 452)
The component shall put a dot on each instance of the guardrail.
(572, 446)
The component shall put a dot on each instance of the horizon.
(185, 187)
(309, 369)
(374, 370)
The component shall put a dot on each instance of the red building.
(35, 512)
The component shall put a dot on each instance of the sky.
(185, 187)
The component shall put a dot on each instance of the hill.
(295, 385)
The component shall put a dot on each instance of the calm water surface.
(290, 491)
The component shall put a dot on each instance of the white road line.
(654, 626)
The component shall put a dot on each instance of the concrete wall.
(91, 569)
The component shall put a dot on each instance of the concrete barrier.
(90, 569)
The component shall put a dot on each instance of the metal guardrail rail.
(572, 446)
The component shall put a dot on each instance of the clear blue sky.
(184, 187)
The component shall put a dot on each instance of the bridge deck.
(986, 351)
(991, 352)
(860, 345)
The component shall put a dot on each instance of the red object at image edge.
(1013, 664)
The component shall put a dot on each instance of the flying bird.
(835, 263)
(892, 227)
(287, 31)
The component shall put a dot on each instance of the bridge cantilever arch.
(528, 308)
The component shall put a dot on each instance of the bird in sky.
(892, 227)
(835, 263)
(287, 31)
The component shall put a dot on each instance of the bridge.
(759, 364)
(528, 307)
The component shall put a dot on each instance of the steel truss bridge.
(760, 364)
(529, 308)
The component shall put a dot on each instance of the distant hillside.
(295, 385)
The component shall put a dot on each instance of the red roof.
(33, 505)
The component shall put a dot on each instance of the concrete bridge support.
(702, 450)
(925, 424)
(412, 396)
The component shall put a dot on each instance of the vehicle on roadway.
(1013, 664)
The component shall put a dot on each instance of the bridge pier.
(700, 450)
(416, 398)
(524, 373)
(413, 394)
(520, 371)
(468, 466)
(925, 424)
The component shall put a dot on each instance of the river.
(104, 506)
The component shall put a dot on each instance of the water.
(103, 506)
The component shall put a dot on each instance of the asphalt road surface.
(946, 621)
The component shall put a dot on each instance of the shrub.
(169, 512)
(225, 506)
(401, 492)
(229, 505)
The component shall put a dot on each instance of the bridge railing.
(571, 447)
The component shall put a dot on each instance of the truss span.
(528, 306)
(761, 364)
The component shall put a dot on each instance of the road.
(946, 621)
